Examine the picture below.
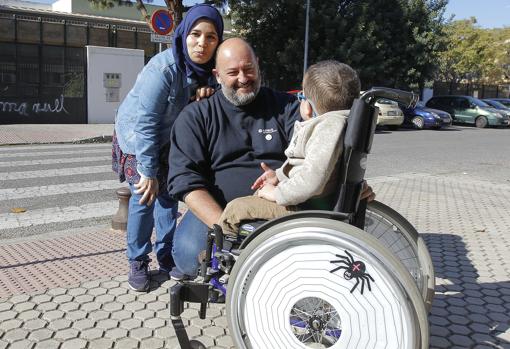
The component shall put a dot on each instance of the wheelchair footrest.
(194, 292)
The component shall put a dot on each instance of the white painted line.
(57, 214)
(53, 161)
(62, 152)
(58, 172)
(14, 148)
(57, 189)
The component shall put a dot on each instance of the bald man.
(218, 144)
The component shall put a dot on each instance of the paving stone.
(144, 314)
(83, 324)
(214, 331)
(56, 291)
(221, 322)
(7, 315)
(69, 306)
(147, 298)
(110, 284)
(151, 343)
(84, 298)
(117, 291)
(34, 324)
(15, 334)
(121, 315)
(104, 298)
(64, 298)
(91, 333)
(22, 344)
(91, 306)
(21, 298)
(40, 334)
(10, 324)
(66, 334)
(225, 341)
(116, 333)
(126, 343)
(134, 306)
(74, 315)
(47, 306)
(98, 315)
(164, 332)
(101, 343)
(111, 307)
(154, 323)
(97, 291)
(140, 333)
(156, 306)
(20, 307)
(460, 340)
(457, 310)
(29, 315)
(53, 315)
(459, 329)
(48, 344)
(75, 343)
(130, 324)
(493, 300)
(59, 324)
(207, 341)
(4, 306)
(107, 324)
(91, 284)
(126, 298)
(78, 291)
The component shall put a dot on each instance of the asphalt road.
(64, 187)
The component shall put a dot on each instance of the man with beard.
(219, 143)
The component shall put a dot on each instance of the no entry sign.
(162, 22)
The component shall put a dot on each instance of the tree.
(389, 42)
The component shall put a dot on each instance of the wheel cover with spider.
(321, 283)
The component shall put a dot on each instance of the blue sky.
(489, 13)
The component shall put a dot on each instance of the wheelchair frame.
(223, 251)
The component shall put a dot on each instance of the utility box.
(111, 73)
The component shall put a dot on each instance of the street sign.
(162, 22)
(164, 39)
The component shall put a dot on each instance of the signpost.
(164, 39)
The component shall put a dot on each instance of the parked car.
(504, 101)
(469, 110)
(498, 105)
(389, 114)
(422, 117)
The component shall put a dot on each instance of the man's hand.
(148, 188)
(268, 177)
(267, 192)
(203, 92)
(367, 192)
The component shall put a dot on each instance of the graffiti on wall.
(23, 108)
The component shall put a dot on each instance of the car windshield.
(386, 101)
(478, 102)
(496, 104)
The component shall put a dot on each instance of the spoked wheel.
(418, 122)
(481, 122)
(400, 237)
(315, 282)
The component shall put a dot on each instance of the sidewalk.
(55, 133)
(70, 290)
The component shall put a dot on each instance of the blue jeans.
(162, 214)
(189, 240)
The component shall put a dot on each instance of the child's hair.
(331, 85)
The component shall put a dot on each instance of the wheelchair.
(358, 276)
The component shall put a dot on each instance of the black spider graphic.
(353, 269)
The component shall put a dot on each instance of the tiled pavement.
(88, 303)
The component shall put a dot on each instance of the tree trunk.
(143, 10)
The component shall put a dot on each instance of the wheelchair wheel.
(401, 238)
(314, 282)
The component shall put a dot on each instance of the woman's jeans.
(190, 239)
(162, 214)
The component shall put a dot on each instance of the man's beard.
(239, 99)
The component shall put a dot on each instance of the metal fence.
(472, 89)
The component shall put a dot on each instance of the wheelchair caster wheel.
(196, 344)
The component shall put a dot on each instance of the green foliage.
(389, 42)
(475, 54)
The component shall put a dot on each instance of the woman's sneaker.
(138, 278)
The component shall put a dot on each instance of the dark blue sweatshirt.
(219, 147)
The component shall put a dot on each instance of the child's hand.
(268, 177)
(267, 192)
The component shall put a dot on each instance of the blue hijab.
(200, 71)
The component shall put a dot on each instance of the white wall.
(63, 6)
(102, 102)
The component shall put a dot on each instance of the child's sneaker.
(176, 275)
(138, 278)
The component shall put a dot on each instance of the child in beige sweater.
(307, 176)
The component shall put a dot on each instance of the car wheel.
(418, 122)
(481, 122)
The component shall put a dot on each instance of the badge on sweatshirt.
(267, 132)
(269, 137)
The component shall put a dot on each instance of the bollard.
(119, 220)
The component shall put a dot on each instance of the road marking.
(57, 189)
(14, 148)
(58, 172)
(62, 152)
(57, 214)
(53, 161)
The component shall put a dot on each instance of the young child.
(307, 177)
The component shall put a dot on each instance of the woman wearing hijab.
(141, 139)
